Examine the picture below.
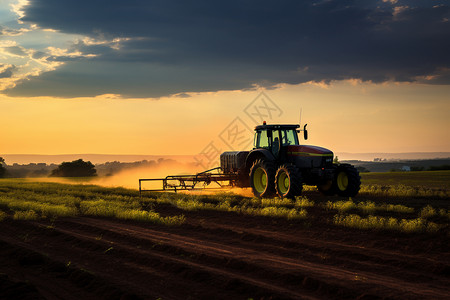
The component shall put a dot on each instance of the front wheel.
(288, 182)
(262, 175)
(347, 181)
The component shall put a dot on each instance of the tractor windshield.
(261, 139)
(289, 137)
(264, 140)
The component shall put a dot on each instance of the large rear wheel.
(262, 174)
(288, 181)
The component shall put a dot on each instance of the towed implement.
(277, 165)
(199, 181)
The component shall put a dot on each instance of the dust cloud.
(129, 178)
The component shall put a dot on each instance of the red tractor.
(278, 164)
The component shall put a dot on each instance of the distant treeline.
(404, 165)
(111, 168)
(432, 168)
(106, 169)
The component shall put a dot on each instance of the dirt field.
(217, 255)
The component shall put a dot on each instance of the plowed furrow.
(201, 263)
(305, 249)
(153, 267)
(319, 272)
(281, 239)
(331, 253)
(104, 258)
(49, 277)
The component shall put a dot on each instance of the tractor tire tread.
(270, 170)
(296, 184)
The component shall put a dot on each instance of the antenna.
(305, 132)
(300, 120)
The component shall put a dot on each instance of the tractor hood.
(306, 150)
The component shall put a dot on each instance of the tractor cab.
(276, 138)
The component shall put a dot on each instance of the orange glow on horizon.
(344, 117)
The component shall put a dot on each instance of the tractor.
(277, 165)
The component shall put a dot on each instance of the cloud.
(6, 71)
(16, 50)
(4, 31)
(163, 47)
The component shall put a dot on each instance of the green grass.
(273, 211)
(420, 191)
(303, 202)
(275, 202)
(149, 216)
(27, 215)
(44, 209)
(386, 223)
(381, 205)
(341, 206)
(281, 208)
(425, 179)
(401, 190)
(427, 212)
(398, 208)
(366, 207)
(41, 200)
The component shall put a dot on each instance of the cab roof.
(276, 126)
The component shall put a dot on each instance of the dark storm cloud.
(175, 46)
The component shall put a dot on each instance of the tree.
(76, 168)
(2, 167)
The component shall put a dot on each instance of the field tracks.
(242, 261)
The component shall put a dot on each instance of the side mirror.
(305, 132)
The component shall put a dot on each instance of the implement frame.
(189, 182)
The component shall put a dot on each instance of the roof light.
(264, 122)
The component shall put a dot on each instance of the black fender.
(255, 154)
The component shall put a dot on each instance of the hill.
(399, 165)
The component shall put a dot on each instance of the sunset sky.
(189, 77)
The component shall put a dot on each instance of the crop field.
(83, 241)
